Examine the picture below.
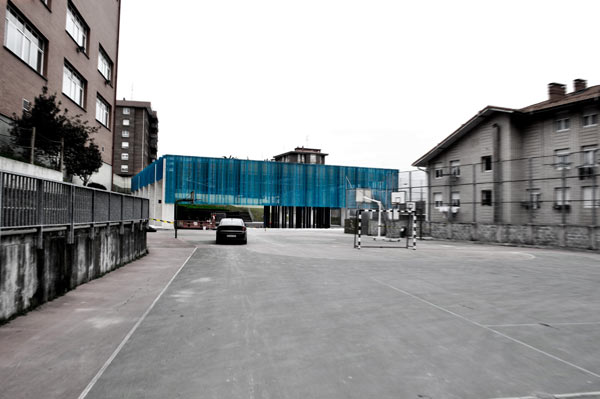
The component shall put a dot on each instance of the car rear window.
(231, 222)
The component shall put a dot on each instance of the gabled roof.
(591, 93)
(460, 132)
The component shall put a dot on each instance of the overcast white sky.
(373, 83)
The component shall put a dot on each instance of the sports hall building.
(292, 195)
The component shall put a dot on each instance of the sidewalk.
(56, 350)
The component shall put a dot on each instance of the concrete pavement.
(55, 350)
(301, 314)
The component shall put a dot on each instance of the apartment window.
(455, 168)
(588, 154)
(562, 196)
(125, 133)
(561, 159)
(126, 111)
(125, 156)
(486, 197)
(77, 28)
(125, 144)
(535, 199)
(562, 124)
(589, 199)
(102, 111)
(590, 120)
(124, 168)
(455, 199)
(104, 65)
(486, 163)
(437, 200)
(73, 85)
(439, 170)
(125, 122)
(24, 40)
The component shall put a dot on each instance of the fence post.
(530, 191)
(1, 197)
(71, 233)
(563, 194)
(40, 213)
(122, 224)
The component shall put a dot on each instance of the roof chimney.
(556, 91)
(580, 84)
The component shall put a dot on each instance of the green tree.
(56, 132)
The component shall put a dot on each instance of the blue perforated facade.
(243, 182)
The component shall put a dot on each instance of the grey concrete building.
(302, 155)
(533, 165)
(136, 137)
(70, 46)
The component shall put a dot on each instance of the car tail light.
(244, 228)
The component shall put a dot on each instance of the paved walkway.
(57, 349)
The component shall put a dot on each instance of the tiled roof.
(590, 93)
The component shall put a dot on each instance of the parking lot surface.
(302, 314)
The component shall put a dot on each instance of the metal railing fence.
(561, 188)
(27, 201)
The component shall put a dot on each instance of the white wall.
(10, 165)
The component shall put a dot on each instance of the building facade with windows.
(302, 155)
(70, 46)
(535, 165)
(136, 137)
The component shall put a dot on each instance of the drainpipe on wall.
(497, 186)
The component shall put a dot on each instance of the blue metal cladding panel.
(149, 175)
(222, 181)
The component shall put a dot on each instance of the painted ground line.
(543, 324)
(94, 380)
(486, 328)
(580, 395)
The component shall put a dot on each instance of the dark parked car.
(231, 229)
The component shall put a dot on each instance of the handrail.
(28, 201)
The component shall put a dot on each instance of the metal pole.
(563, 208)
(1, 206)
(594, 198)
(530, 190)
(474, 193)
(32, 157)
(359, 226)
(414, 230)
(410, 186)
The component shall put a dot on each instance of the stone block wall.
(581, 237)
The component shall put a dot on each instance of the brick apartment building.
(534, 165)
(70, 46)
(136, 137)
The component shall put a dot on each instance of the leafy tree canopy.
(54, 127)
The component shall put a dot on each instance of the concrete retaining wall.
(30, 276)
(582, 237)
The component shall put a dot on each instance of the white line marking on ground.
(580, 395)
(523, 253)
(130, 333)
(486, 328)
(589, 323)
